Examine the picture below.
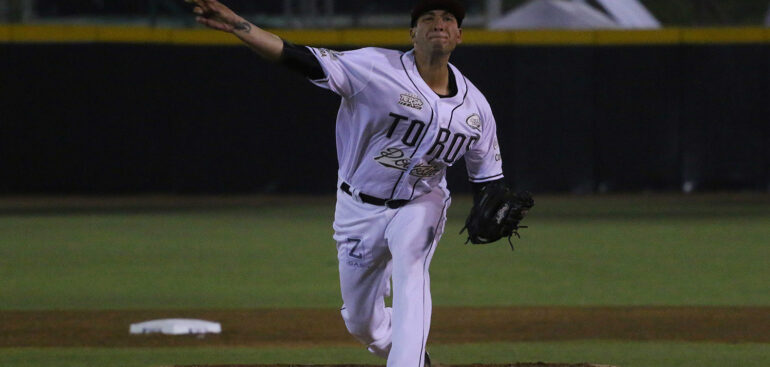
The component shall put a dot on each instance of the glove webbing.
(515, 232)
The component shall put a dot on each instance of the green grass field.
(699, 250)
(626, 354)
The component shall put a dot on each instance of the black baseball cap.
(452, 6)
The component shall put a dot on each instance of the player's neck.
(433, 70)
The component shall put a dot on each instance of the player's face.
(437, 31)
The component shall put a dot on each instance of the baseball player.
(404, 118)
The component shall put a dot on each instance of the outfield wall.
(125, 110)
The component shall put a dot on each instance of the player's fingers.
(204, 13)
(208, 7)
(199, 8)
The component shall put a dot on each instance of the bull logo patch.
(474, 121)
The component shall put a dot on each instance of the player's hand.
(215, 15)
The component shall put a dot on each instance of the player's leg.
(365, 268)
(412, 238)
(364, 311)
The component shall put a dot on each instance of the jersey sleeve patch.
(484, 160)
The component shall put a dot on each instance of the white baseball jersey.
(395, 136)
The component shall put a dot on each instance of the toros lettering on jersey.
(447, 145)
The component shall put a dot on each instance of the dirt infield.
(299, 327)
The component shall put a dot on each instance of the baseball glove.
(497, 214)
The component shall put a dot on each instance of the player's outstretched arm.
(215, 15)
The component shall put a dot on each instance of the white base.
(176, 327)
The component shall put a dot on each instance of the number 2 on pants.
(357, 254)
(355, 251)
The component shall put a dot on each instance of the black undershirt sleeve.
(301, 60)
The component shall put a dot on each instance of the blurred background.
(354, 13)
(114, 97)
(147, 163)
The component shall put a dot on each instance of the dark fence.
(113, 118)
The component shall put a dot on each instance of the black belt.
(393, 204)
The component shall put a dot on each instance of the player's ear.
(411, 33)
(459, 36)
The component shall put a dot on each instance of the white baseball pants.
(375, 244)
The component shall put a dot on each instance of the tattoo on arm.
(243, 26)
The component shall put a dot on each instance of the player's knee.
(362, 330)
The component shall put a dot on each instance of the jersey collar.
(410, 67)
